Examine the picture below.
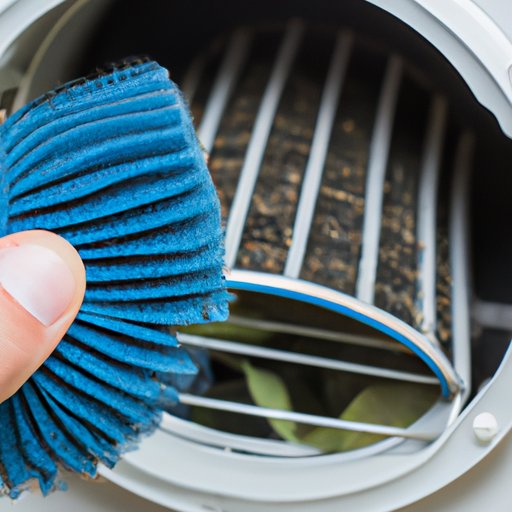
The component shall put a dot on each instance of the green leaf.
(269, 390)
(393, 404)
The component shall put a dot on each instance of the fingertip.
(42, 280)
(58, 245)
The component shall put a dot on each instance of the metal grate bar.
(308, 419)
(259, 138)
(225, 81)
(236, 442)
(192, 78)
(459, 238)
(304, 359)
(376, 173)
(318, 154)
(427, 214)
(314, 332)
(496, 315)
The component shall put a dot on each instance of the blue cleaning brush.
(113, 165)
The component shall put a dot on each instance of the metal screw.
(485, 427)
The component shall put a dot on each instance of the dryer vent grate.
(343, 182)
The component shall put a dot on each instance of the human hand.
(42, 285)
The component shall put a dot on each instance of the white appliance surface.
(82, 496)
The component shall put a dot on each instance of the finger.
(42, 285)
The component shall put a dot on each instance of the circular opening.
(375, 42)
(160, 31)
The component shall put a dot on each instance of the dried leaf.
(269, 390)
(392, 404)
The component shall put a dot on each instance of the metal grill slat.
(259, 138)
(368, 314)
(316, 333)
(459, 243)
(495, 315)
(377, 163)
(225, 81)
(307, 419)
(318, 153)
(210, 437)
(427, 211)
(192, 78)
(303, 359)
(272, 176)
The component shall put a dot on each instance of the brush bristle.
(113, 165)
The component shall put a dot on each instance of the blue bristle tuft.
(113, 165)
(33, 452)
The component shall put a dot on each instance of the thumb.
(42, 285)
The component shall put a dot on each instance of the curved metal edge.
(351, 307)
(58, 48)
(406, 478)
(18, 16)
(471, 41)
